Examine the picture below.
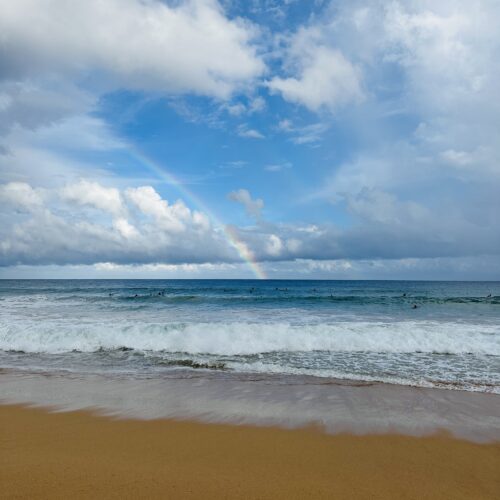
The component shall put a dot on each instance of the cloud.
(474, 268)
(304, 134)
(274, 245)
(190, 46)
(422, 179)
(20, 195)
(255, 105)
(131, 226)
(94, 195)
(278, 167)
(252, 207)
(325, 79)
(34, 104)
(414, 172)
(137, 226)
(172, 218)
(57, 150)
(244, 131)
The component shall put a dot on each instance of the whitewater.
(425, 334)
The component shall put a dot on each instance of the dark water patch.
(256, 298)
(189, 363)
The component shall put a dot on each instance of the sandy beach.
(80, 455)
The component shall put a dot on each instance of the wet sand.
(268, 401)
(80, 455)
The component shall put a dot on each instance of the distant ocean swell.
(160, 297)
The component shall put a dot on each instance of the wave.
(241, 338)
(256, 298)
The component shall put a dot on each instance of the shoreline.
(216, 373)
(85, 455)
(336, 407)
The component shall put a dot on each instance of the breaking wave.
(241, 338)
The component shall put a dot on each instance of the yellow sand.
(77, 455)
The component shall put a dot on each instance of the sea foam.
(245, 338)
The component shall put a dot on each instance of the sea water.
(424, 334)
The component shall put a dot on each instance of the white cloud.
(257, 105)
(167, 217)
(254, 105)
(236, 109)
(124, 227)
(461, 268)
(252, 207)
(426, 170)
(458, 158)
(325, 79)
(47, 132)
(190, 46)
(278, 167)
(94, 195)
(143, 228)
(20, 195)
(244, 131)
(34, 104)
(304, 134)
(274, 245)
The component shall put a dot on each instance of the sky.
(308, 139)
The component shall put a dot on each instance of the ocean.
(412, 333)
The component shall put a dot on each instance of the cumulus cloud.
(20, 196)
(190, 46)
(173, 218)
(131, 226)
(252, 207)
(94, 195)
(137, 226)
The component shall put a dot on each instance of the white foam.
(241, 338)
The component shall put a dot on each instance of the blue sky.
(293, 139)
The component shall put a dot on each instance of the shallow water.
(270, 400)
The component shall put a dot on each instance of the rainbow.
(229, 233)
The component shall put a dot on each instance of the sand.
(79, 455)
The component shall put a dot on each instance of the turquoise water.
(444, 334)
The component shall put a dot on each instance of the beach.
(221, 389)
(249, 249)
(82, 455)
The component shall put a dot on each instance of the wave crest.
(240, 338)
